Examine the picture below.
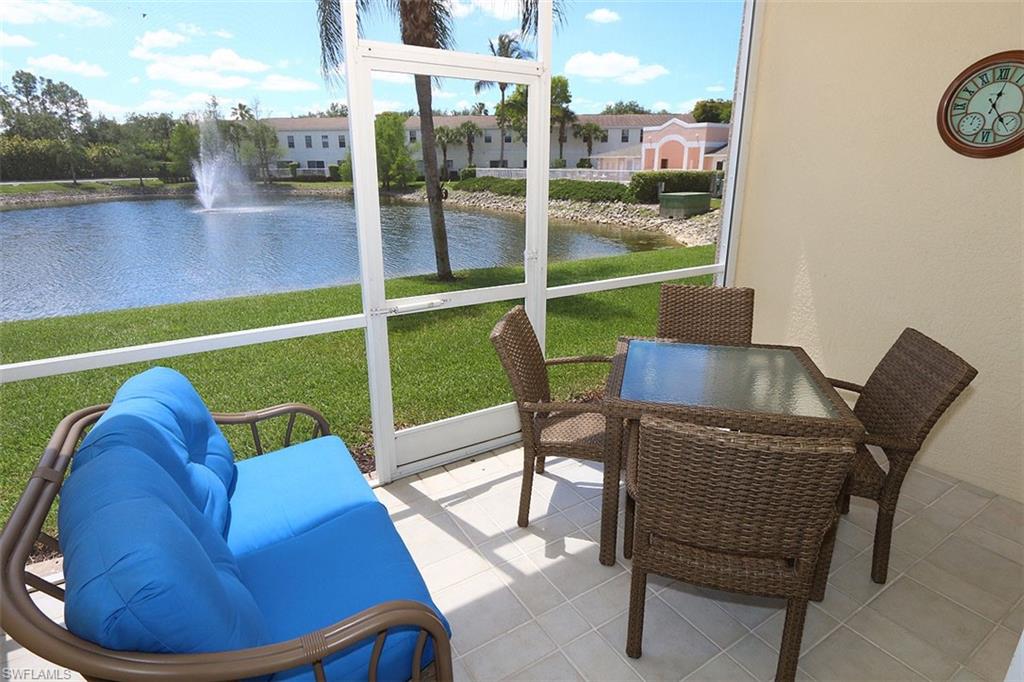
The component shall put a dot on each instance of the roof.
(606, 121)
(721, 151)
(632, 151)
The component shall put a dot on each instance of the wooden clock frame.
(942, 118)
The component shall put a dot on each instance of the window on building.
(315, 164)
(508, 138)
(495, 163)
(309, 141)
(604, 136)
(487, 137)
(625, 135)
(341, 141)
(323, 142)
(524, 163)
(720, 165)
(282, 165)
(664, 163)
(641, 134)
(449, 164)
(291, 142)
(412, 136)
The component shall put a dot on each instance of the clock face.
(981, 112)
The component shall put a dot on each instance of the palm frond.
(483, 85)
(530, 12)
(332, 32)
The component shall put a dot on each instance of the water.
(220, 181)
(126, 254)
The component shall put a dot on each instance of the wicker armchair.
(902, 400)
(552, 428)
(735, 511)
(694, 314)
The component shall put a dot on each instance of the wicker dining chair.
(698, 314)
(550, 428)
(734, 511)
(916, 380)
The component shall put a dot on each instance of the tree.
(712, 111)
(589, 132)
(242, 112)
(478, 109)
(426, 23)
(470, 131)
(447, 136)
(511, 113)
(183, 148)
(622, 107)
(336, 110)
(261, 147)
(132, 155)
(562, 117)
(510, 48)
(394, 162)
(72, 113)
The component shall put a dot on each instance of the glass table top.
(730, 377)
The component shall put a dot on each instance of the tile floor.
(535, 604)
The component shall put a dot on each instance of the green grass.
(442, 363)
(300, 185)
(715, 203)
(65, 187)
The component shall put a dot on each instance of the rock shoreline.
(695, 231)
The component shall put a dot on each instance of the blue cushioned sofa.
(182, 563)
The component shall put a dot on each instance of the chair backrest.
(695, 314)
(521, 357)
(916, 380)
(737, 493)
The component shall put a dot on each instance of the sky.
(172, 55)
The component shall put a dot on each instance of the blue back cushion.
(159, 413)
(145, 570)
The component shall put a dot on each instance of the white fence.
(623, 176)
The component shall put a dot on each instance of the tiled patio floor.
(535, 604)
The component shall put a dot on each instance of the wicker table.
(760, 388)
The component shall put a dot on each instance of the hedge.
(574, 190)
(644, 185)
(467, 173)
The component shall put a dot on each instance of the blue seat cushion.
(159, 413)
(333, 571)
(145, 570)
(284, 493)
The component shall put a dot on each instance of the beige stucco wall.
(858, 221)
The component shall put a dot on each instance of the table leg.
(610, 497)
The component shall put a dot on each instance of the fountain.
(220, 179)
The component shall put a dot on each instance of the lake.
(84, 258)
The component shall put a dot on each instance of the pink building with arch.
(683, 144)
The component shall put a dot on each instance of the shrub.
(558, 163)
(333, 173)
(644, 185)
(293, 168)
(467, 173)
(345, 170)
(584, 163)
(575, 190)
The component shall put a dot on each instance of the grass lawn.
(65, 187)
(715, 203)
(442, 361)
(299, 185)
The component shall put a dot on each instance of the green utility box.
(683, 204)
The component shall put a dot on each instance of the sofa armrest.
(292, 410)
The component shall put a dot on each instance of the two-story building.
(630, 142)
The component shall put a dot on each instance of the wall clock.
(981, 114)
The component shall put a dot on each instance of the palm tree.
(447, 136)
(426, 23)
(470, 131)
(242, 112)
(510, 48)
(478, 109)
(589, 132)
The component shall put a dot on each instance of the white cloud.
(715, 88)
(380, 105)
(463, 104)
(443, 94)
(60, 11)
(56, 62)
(280, 83)
(661, 104)
(603, 16)
(162, 38)
(620, 68)
(191, 29)
(216, 70)
(100, 106)
(10, 40)
(503, 10)
(686, 105)
(195, 78)
(134, 80)
(226, 35)
(392, 77)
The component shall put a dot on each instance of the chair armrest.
(577, 359)
(292, 410)
(891, 442)
(846, 385)
(562, 406)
